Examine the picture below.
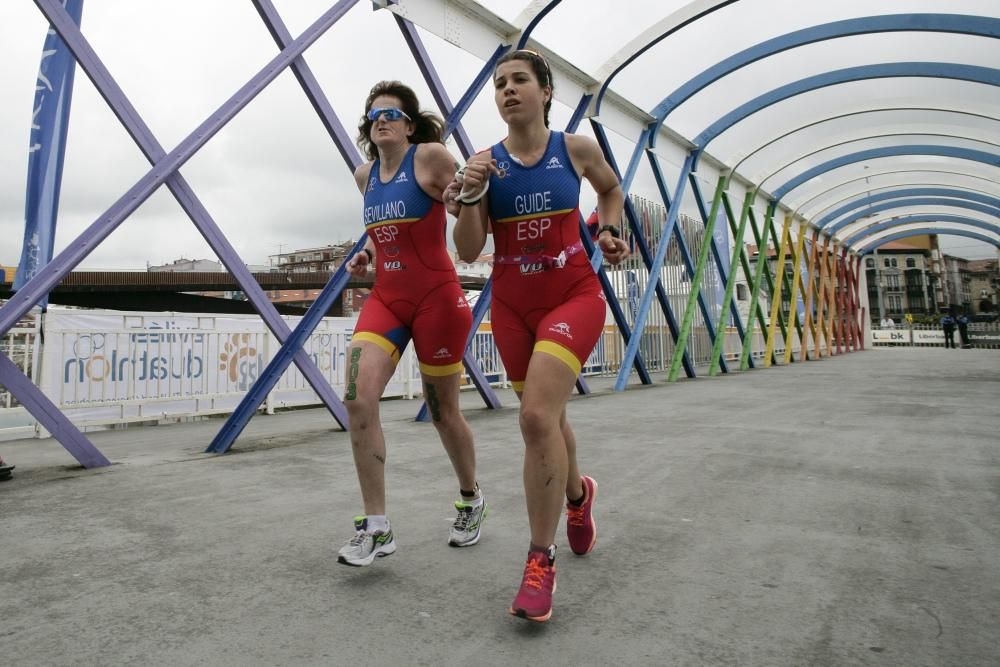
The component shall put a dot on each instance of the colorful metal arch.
(933, 70)
(940, 231)
(853, 240)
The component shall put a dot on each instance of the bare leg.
(574, 485)
(543, 402)
(441, 394)
(369, 370)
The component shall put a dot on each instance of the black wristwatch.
(615, 233)
(475, 202)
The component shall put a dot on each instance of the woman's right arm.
(358, 264)
(470, 230)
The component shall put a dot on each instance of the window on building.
(885, 262)
(743, 294)
(894, 303)
(911, 263)
(870, 263)
(892, 281)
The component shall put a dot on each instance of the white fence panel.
(21, 345)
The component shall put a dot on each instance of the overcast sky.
(272, 178)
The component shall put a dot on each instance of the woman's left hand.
(614, 250)
(450, 196)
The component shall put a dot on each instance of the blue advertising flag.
(46, 148)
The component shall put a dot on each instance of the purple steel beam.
(83, 245)
(433, 81)
(302, 71)
(46, 412)
(454, 118)
(185, 196)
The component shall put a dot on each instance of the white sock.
(476, 500)
(378, 523)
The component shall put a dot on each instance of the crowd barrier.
(985, 335)
(106, 368)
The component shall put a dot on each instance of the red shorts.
(438, 322)
(568, 331)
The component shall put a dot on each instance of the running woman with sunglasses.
(548, 307)
(416, 295)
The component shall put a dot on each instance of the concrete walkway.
(842, 512)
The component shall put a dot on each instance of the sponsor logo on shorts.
(443, 353)
(401, 178)
(562, 329)
(554, 163)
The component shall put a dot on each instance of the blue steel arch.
(855, 204)
(853, 240)
(869, 137)
(878, 174)
(526, 33)
(940, 231)
(983, 26)
(913, 201)
(991, 159)
(863, 112)
(933, 70)
(674, 27)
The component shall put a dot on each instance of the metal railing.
(21, 345)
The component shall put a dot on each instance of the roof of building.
(982, 265)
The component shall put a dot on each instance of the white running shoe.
(468, 525)
(366, 545)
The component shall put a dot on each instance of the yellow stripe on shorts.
(441, 371)
(561, 353)
(383, 342)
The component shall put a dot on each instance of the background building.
(984, 285)
(311, 260)
(187, 266)
(901, 280)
